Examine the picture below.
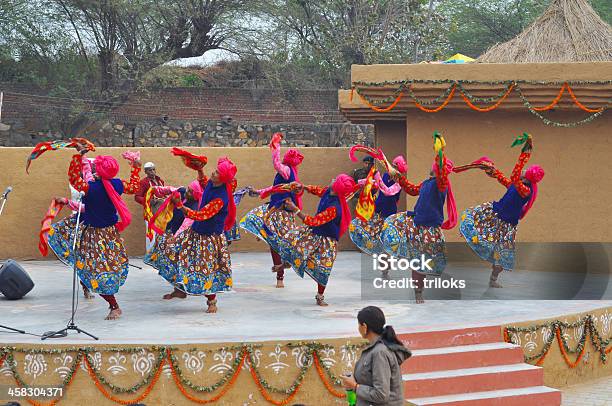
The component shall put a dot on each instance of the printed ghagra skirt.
(402, 238)
(262, 221)
(101, 259)
(366, 234)
(491, 238)
(195, 263)
(308, 253)
(60, 239)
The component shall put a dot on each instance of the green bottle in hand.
(351, 397)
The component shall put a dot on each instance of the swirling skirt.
(308, 253)
(195, 263)
(401, 238)
(366, 234)
(101, 260)
(261, 221)
(60, 239)
(491, 238)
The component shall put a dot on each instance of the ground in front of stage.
(257, 311)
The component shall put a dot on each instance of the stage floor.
(257, 311)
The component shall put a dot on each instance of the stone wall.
(185, 117)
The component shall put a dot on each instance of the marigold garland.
(470, 99)
(165, 356)
(328, 386)
(115, 399)
(587, 323)
(218, 396)
(490, 108)
(440, 107)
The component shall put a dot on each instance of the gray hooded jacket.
(379, 376)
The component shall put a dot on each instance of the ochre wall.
(573, 199)
(20, 221)
(556, 371)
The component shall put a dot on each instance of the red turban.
(343, 186)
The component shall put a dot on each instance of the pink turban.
(227, 171)
(400, 163)
(293, 158)
(196, 190)
(534, 174)
(343, 186)
(451, 207)
(107, 168)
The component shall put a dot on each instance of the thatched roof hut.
(568, 31)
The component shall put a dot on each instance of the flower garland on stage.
(405, 87)
(245, 358)
(555, 328)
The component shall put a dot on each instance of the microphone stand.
(71, 325)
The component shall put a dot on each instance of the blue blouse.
(277, 199)
(386, 205)
(213, 225)
(510, 206)
(331, 228)
(429, 208)
(100, 211)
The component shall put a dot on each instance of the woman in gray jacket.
(378, 378)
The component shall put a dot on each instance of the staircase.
(471, 367)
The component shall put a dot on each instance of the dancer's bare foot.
(493, 283)
(176, 293)
(321, 300)
(212, 306)
(114, 314)
(418, 296)
(278, 268)
(88, 295)
(280, 283)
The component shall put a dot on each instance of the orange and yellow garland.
(511, 87)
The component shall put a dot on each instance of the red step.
(469, 380)
(464, 356)
(451, 338)
(530, 396)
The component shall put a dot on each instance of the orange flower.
(80, 265)
(94, 284)
(208, 285)
(229, 282)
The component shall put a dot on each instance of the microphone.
(7, 191)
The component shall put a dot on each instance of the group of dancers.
(191, 247)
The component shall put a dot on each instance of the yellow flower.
(153, 257)
(208, 285)
(94, 284)
(329, 264)
(66, 254)
(185, 280)
(263, 233)
(385, 226)
(311, 265)
(369, 244)
(475, 239)
(352, 227)
(51, 231)
(463, 216)
(80, 265)
(297, 262)
(229, 282)
(496, 256)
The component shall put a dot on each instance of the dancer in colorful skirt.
(197, 261)
(418, 234)
(490, 228)
(366, 234)
(60, 236)
(234, 234)
(311, 249)
(273, 215)
(101, 258)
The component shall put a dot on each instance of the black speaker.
(15, 283)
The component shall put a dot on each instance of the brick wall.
(180, 116)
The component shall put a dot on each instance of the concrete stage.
(257, 311)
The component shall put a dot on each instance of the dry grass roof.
(568, 31)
